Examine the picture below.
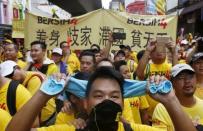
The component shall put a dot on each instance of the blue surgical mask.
(132, 88)
(52, 87)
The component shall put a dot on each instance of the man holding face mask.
(104, 103)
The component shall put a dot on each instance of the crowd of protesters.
(23, 106)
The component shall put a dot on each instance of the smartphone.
(118, 35)
(161, 43)
(163, 39)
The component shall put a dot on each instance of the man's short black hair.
(118, 64)
(87, 53)
(82, 75)
(128, 47)
(120, 52)
(107, 73)
(95, 45)
(104, 59)
(122, 47)
(95, 51)
(41, 43)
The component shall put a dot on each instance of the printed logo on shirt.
(135, 104)
(162, 73)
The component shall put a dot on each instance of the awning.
(78, 7)
(191, 8)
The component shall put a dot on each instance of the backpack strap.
(127, 127)
(44, 69)
(11, 97)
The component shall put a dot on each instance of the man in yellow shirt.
(77, 107)
(183, 80)
(21, 95)
(39, 60)
(104, 103)
(153, 62)
(196, 63)
(11, 53)
(32, 81)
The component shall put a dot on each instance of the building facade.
(191, 16)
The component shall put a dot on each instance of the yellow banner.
(94, 27)
(18, 28)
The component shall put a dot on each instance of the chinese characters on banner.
(94, 27)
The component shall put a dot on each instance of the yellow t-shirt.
(52, 68)
(161, 118)
(21, 64)
(132, 65)
(133, 56)
(152, 105)
(137, 104)
(127, 112)
(65, 127)
(19, 55)
(4, 119)
(33, 83)
(64, 118)
(22, 96)
(73, 63)
(199, 92)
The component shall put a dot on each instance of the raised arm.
(189, 56)
(107, 49)
(28, 112)
(144, 61)
(23, 119)
(174, 54)
(180, 120)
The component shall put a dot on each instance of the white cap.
(7, 67)
(179, 68)
(57, 50)
(184, 42)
